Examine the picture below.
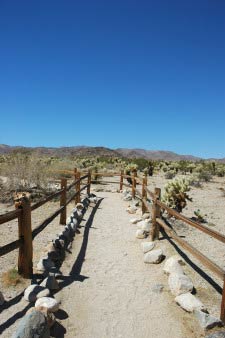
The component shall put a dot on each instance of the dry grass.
(11, 278)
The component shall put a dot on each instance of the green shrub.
(175, 194)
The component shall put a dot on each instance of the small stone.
(206, 320)
(50, 303)
(2, 299)
(146, 225)
(32, 325)
(189, 302)
(140, 234)
(154, 257)
(50, 282)
(172, 266)
(179, 283)
(147, 246)
(127, 197)
(30, 293)
(131, 210)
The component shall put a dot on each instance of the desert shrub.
(170, 174)
(199, 216)
(25, 171)
(11, 278)
(204, 176)
(175, 194)
(194, 181)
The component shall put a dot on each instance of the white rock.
(146, 225)
(32, 291)
(147, 246)
(172, 266)
(189, 302)
(207, 321)
(140, 234)
(127, 197)
(154, 256)
(2, 299)
(179, 283)
(135, 220)
(50, 303)
(131, 209)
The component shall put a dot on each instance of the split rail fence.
(26, 235)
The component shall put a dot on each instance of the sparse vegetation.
(11, 278)
(175, 194)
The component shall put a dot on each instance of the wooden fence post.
(25, 258)
(63, 201)
(89, 182)
(222, 313)
(134, 184)
(77, 199)
(155, 214)
(121, 180)
(144, 194)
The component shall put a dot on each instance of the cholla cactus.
(175, 194)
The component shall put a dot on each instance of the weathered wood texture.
(9, 216)
(25, 258)
(155, 213)
(63, 201)
(10, 247)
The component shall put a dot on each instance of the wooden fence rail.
(23, 214)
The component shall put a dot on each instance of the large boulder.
(180, 283)
(33, 325)
(154, 256)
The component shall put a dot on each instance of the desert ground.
(108, 291)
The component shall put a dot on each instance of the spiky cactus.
(175, 194)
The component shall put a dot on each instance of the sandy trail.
(107, 290)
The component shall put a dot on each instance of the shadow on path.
(75, 273)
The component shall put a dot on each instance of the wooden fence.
(23, 214)
(26, 235)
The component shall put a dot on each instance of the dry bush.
(11, 278)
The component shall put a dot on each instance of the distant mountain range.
(104, 152)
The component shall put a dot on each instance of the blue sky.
(122, 73)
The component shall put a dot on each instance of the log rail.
(25, 232)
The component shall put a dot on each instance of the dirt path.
(107, 290)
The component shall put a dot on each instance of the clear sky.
(116, 73)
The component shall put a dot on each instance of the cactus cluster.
(175, 194)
